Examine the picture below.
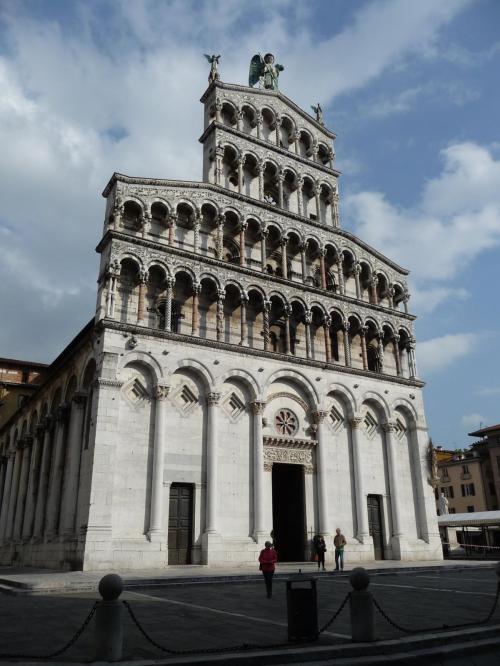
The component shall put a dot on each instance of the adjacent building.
(18, 381)
(249, 373)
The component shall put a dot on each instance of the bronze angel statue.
(214, 61)
(318, 112)
(263, 69)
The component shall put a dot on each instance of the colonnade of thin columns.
(39, 479)
(260, 529)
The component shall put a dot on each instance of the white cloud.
(472, 420)
(488, 390)
(441, 352)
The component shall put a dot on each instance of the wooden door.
(375, 525)
(180, 523)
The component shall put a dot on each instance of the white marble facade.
(249, 360)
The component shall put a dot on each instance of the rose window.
(285, 422)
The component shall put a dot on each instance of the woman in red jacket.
(268, 559)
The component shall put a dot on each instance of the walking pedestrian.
(268, 559)
(339, 542)
(319, 551)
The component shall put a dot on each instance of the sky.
(411, 89)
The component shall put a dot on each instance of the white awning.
(474, 519)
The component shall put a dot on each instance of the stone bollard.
(362, 609)
(109, 620)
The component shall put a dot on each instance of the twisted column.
(283, 243)
(340, 270)
(168, 302)
(328, 349)
(266, 331)
(261, 168)
(281, 179)
(219, 240)
(347, 345)
(196, 232)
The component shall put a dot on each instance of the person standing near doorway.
(339, 542)
(268, 559)
(319, 546)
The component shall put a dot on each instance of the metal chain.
(232, 648)
(335, 615)
(71, 642)
(443, 626)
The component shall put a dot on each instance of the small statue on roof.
(264, 71)
(214, 61)
(318, 112)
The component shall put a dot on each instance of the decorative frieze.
(287, 455)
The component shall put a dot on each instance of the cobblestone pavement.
(213, 614)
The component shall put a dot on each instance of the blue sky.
(88, 88)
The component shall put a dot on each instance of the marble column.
(361, 507)
(284, 267)
(169, 282)
(347, 345)
(218, 111)
(143, 279)
(219, 155)
(14, 490)
(243, 320)
(303, 262)
(196, 232)
(340, 271)
(4, 507)
(27, 443)
(72, 465)
(266, 329)
(279, 120)
(258, 471)
(156, 530)
(221, 295)
(212, 462)
(317, 192)
(321, 472)
(261, 167)
(263, 252)
(287, 315)
(259, 121)
(241, 162)
(300, 206)
(335, 211)
(357, 271)
(328, 343)
(195, 320)
(281, 178)
(113, 274)
(389, 429)
(296, 140)
(56, 472)
(364, 355)
(243, 228)
(373, 285)
(412, 363)
(397, 356)
(219, 240)
(381, 351)
(33, 482)
(322, 270)
(43, 484)
(171, 229)
(307, 325)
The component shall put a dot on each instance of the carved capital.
(258, 407)
(389, 426)
(356, 422)
(319, 416)
(196, 288)
(161, 391)
(213, 398)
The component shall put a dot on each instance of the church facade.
(250, 373)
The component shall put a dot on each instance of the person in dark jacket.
(268, 559)
(319, 551)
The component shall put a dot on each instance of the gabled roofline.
(268, 93)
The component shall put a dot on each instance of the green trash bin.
(302, 608)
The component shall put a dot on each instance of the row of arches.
(267, 248)
(280, 129)
(227, 313)
(40, 482)
(245, 172)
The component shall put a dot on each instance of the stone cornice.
(157, 182)
(269, 279)
(268, 93)
(267, 145)
(110, 324)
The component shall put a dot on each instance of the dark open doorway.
(375, 525)
(180, 523)
(289, 512)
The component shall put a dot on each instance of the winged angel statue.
(214, 61)
(263, 70)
